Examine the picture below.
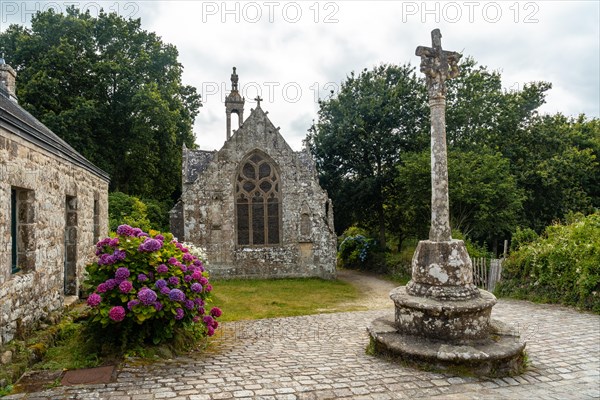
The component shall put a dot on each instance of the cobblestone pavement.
(323, 357)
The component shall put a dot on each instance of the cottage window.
(258, 202)
(21, 229)
(96, 236)
(13, 230)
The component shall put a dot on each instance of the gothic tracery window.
(258, 201)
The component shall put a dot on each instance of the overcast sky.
(293, 52)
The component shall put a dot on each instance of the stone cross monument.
(441, 319)
(438, 65)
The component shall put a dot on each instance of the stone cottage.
(53, 209)
(256, 205)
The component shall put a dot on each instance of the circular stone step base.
(502, 354)
(448, 321)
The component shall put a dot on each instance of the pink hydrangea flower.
(125, 287)
(94, 299)
(117, 314)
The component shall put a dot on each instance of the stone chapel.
(255, 205)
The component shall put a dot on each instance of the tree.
(555, 160)
(359, 137)
(111, 90)
(485, 202)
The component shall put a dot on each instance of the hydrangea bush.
(146, 286)
(355, 251)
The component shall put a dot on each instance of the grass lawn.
(254, 299)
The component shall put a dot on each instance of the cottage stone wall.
(45, 182)
(308, 242)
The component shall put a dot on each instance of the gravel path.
(376, 291)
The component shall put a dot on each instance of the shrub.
(127, 210)
(147, 286)
(356, 252)
(561, 266)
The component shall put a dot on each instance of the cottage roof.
(16, 120)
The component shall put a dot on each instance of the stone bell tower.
(234, 103)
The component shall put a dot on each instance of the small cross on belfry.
(258, 100)
(438, 65)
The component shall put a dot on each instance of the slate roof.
(16, 120)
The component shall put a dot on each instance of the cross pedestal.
(441, 319)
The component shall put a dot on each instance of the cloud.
(295, 52)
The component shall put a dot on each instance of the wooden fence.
(486, 272)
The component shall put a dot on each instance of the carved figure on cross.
(438, 65)
(258, 100)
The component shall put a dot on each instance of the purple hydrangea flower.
(125, 287)
(189, 304)
(117, 314)
(142, 277)
(137, 232)
(150, 245)
(196, 319)
(98, 252)
(182, 267)
(165, 290)
(176, 295)
(150, 275)
(179, 313)
(125, 230)
(101, 288)
(215, 324)
(173, 281)
(122, 273)
(93, 300)
(216, 312)
(187, 278)
(111, 284)
(147, 296)
(201, 310)
(158, 306)
(132, 303)
(173, 261)
(210, 331)
(208, 288)
(162, 269)
(187, 257)
(114, 242)
(161, 283)
(203, 281)
(196, 287)
(106, 259)
(159, 237)
(208, 320)
(119, 255)
(199, 301)
(103, 242)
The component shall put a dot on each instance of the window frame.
(274, 192)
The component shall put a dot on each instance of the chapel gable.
(255, 205)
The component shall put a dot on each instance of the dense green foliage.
(359, 137)
(563, 265)
(509, 167)
(129, 210)
(485, 202)
(110, 89)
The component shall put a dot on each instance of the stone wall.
(308, 242)
(57, 203)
